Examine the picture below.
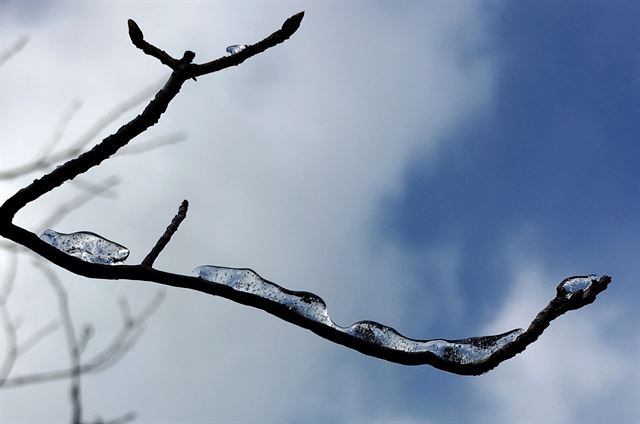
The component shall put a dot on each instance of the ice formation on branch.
(471, 356)
(308, 305)
(573, 284)
(236, 48)
(87, 246)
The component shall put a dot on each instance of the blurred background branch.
(132, 326)
(13, 48)
(48, 157)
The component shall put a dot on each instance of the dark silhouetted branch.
(166, 237)
(366, 345)
(289, 27)
(137, 38)
(149, 117)
(470, 356)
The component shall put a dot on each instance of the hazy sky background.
(435, 166)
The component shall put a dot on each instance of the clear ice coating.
(308, 305)
(573, 284)
(236, 48)
(467, 351)
(87, 246)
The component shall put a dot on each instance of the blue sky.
(558, 151)
(436, 166)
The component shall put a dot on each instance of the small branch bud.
(134, 32)
(292, 24)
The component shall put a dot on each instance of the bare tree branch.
(149, 117)
(166, 237)
(137, 38)
(469, 356)
(289, 27)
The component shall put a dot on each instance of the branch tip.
(292, 24)
(166, 237)
(137, 38)
(289, 27)
(134, 32)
